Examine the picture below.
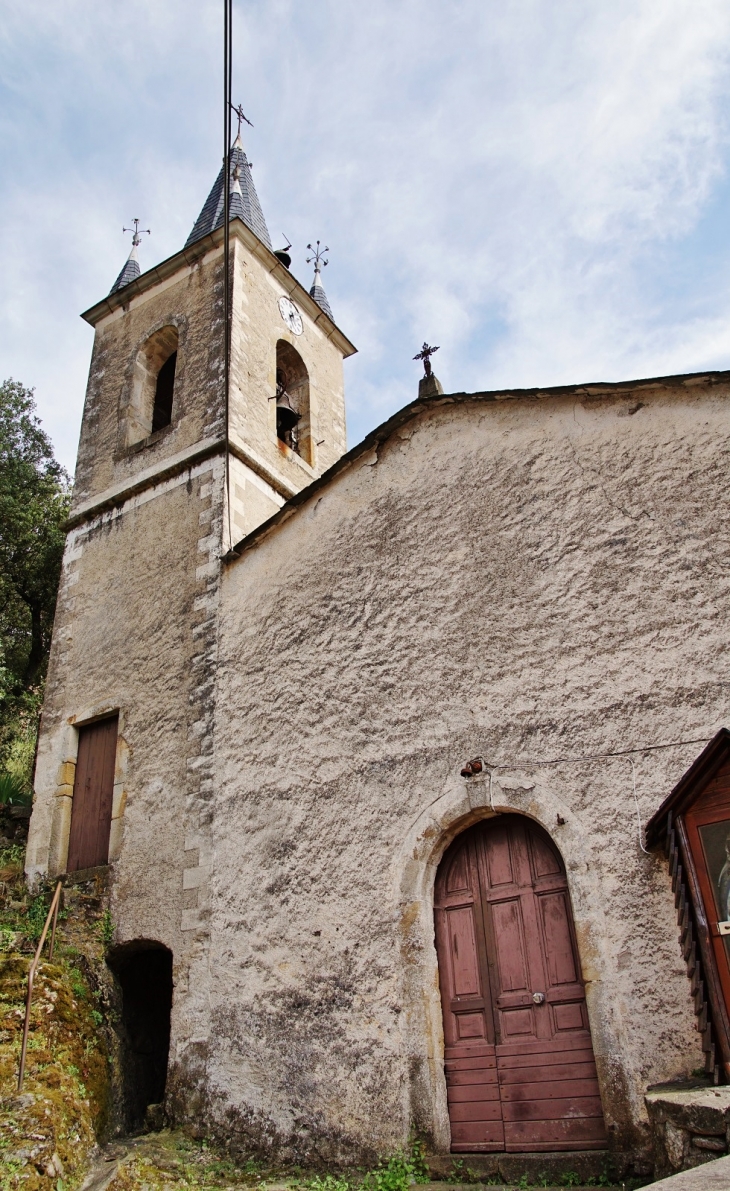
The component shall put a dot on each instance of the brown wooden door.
(91, 813)
(519, 1062)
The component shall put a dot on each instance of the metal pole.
(53, 931)
(52, 913)
(227, 102)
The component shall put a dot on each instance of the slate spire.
(244, 201)
(317, 290)
(131, 266)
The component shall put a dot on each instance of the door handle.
(539, 998)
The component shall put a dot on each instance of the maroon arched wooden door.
(520, 1070)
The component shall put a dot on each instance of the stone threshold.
(470, 1170)
(508, 1186)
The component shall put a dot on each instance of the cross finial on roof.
(131, 268)
(137, 232)
(425, 354)
(317, 291)
(317, 256)
(239, 113)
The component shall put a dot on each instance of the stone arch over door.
(519, 1063)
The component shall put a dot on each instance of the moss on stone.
(48, 1130)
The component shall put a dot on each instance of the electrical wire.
(630, 753)
(527, 763)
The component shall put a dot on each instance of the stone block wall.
(690, 1126)
(136, 632)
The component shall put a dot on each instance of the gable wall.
(525, 580)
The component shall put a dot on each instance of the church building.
(366, 742)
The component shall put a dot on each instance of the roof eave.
(188, 256)
(593, 391)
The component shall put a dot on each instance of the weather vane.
(425, 354)
(317, 256)
(239, 113)
(136, 232)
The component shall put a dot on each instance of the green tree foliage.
(34, 503)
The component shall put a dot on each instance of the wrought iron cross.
(317, 256)
(136, 232)
(425, 354)
(239, 113)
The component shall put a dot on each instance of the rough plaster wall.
(191, 301)
(257, 325)
(525, 580)
(136, 629)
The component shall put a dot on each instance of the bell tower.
(172, 472)
(156, 393)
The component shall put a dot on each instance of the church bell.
(286, 415)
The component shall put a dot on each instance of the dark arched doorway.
(519, 1062)
(144, 972)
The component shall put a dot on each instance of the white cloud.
(527, 184)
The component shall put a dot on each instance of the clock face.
(291, 315)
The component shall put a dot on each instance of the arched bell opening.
(164, 388)
(143, 970)
(153, 385)
(293, 425)
(518, 1057)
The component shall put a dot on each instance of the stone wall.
(186, 293)
(536, 579)
(257, 326)
(191, 300)
(136, 630)
(690, 1126)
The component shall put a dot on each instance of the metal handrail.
(52, 913)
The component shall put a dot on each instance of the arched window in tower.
(293, 426)
(162, 409)
(153, 385)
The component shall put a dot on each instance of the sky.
(541, 188)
